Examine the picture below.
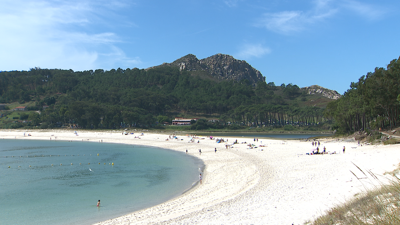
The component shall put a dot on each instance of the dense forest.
(371, 103)
(149, 98)
(153, 97)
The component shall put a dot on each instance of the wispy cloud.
(232, 3)
(369, 11)
(287, 22)
(57, 34)
(248, 51)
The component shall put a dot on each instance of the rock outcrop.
(315, 89)
(220, 66)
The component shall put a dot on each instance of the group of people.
(215, 150)
(315, 143)
(317, 151)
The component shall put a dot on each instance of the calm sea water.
(55, 182)
(263, 135)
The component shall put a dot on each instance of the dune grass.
(381, 205)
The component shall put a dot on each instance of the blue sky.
(326, 42)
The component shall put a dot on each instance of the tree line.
(146, 97)
(371, 103)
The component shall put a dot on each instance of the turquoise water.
(39, 185)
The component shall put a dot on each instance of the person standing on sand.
(200, 178)
(215, 150)
(344, 149)
(200, 151)
(98, 203)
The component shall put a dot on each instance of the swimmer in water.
(98, 203)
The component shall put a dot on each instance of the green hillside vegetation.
(149, 98)
(371, 103)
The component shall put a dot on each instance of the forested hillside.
(371, 103)
(145, 98)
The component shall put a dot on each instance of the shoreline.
(279, 184)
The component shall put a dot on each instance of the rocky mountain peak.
(315, 89)
(221, 67)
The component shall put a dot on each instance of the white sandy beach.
(276, 184)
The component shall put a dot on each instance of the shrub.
(288, 127)
(374, 135)
(16, 125)
(234, 127)
(43, 125)
(391, 141)
(23, 116)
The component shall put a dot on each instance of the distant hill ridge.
(225, 67)
(220, 67)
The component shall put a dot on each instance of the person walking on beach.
(200, 151)
(98, 203)
(344, 149)
(200, 178)
(215, 150)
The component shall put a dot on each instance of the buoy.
(71, 164)
(60, 164)
(99, 163)
(29, 165)
(112, 164)
(104, 163)
(88, 163)
(51, 164)
(97, 154)
(9, 167)
(80, 163)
